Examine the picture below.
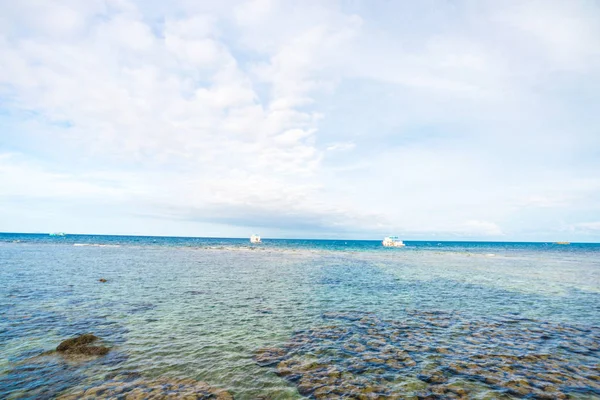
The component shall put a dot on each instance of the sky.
(441, 120)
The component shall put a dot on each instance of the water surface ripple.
(200, 310)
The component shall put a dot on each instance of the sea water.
(203, 308)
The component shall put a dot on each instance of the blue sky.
(470, 120)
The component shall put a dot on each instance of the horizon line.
(274, 238)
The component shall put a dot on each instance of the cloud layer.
(473, 120)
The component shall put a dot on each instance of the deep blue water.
(200, 308)
(311, 244)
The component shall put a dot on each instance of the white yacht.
(254, 239)
(392, 241)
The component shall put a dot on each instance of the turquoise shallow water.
(201, 308)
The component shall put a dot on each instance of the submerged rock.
(437, 355)
(269, 356)
(82, 345)
(77, 342)
(163, 388)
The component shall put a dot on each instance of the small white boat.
(392, 241)
(254, 239)
(58, 234)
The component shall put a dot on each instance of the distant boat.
(392, 241)
(255, 239)
(58, 234)
(563, 243)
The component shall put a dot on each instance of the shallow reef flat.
(438, 355)
(139, 389)
(154, 318)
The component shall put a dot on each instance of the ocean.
(287, 319)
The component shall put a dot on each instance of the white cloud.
(22, 179)
(481, 228)
(311, 116)
(342, 146)
(591, 227)
(545, 201)
(242, 199)
(566, 30)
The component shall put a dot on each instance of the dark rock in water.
(269, 356)
(91, 350)
(436, 355)
(81, 345)
(125, 376)
(142, 307)
(196, 292)
(433, 378)
(102, 280)
(76, 342)
(163, 388)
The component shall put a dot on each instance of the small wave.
(96, 245)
